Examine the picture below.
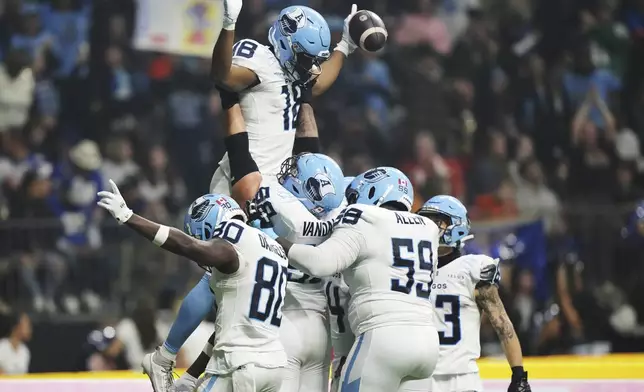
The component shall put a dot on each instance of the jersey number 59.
(268, 292)
(416, 259)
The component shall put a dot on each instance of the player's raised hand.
(232, 8)
(346, 45)
(115, 204)
(519, 382)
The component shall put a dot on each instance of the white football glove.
(115, 204)
(346, 45)
(185, 384)
(232, 8)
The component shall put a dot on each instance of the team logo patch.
(292, 21)
(199, 209)
(319, 186)
(375, 175)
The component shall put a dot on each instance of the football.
(368, 31)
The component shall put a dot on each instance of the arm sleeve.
(334, 255)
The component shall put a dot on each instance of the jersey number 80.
(268, 292)
(421, 259)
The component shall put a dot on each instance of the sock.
(193, 310)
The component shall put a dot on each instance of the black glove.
(251, 211)
(519, 381)
(261, 212)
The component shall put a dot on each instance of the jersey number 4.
(453, 318)
(419, 259)
(268, 292)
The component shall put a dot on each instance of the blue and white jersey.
(292, 221)
(249, 301)
(458, 319)
(270, 108)
(387, 259)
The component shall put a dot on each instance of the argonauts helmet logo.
(199, 209)
(375, 175)
(292, 21)
(319, 186)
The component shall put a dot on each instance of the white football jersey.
(249, 301)
(270, 108)
(291, 220)
(387, 259)
(458, 319)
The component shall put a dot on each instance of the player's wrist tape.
(229, 25)
(241, 162)
(517, 371)
(307, 93)
(306, 144)
(161, 236)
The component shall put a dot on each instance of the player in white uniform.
(291, 220)
(271, 81)
(342, 337)
(249, 282)
(320, 185)
(465, 286)
(387, 257)
(311, 187)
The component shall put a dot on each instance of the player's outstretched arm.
(215, 253)
(332, 256)
(222, 70)
(488, 300)
(331, 68)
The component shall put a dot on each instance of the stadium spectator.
(14, 353)
(535, 200)
(32, 38)
(68, 25)
(76, 181)
(424, 27)
(140, 333)
(119, 164)
(16, 90)
(428, 171)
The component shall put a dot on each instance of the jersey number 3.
(453, 318)
(422, 261)
(268, 293)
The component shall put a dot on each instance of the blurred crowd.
(526, 110)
